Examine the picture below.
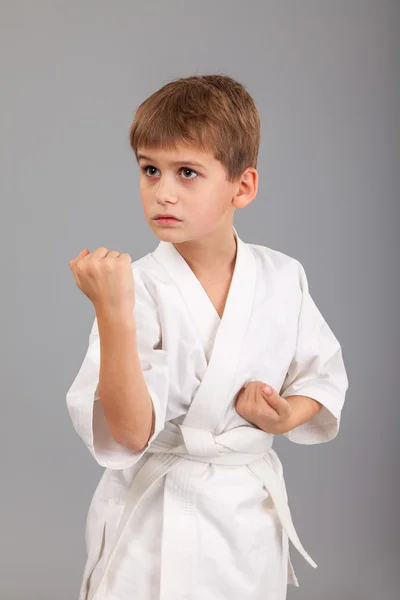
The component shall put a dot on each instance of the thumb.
(267, 389)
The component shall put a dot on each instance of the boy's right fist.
(106, 278)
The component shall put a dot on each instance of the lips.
(170, 217)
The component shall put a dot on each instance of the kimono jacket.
(202, 511)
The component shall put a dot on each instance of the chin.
(168, 234)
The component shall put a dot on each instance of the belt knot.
(199, 442)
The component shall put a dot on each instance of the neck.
(212, 254)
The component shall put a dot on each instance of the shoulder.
(149, 277)
(278, 262)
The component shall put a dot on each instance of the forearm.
(303, 408)
(123, 391)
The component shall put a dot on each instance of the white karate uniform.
(202, 511)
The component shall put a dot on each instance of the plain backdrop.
(325, 78)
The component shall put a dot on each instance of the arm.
(263, 406)
(316, 371)
(303, 408)
(122, 388)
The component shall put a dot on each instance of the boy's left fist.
(269, 411)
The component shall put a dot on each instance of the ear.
(247, 188)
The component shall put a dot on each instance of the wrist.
(120, 315)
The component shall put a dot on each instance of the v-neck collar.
(179, 269)
(202, 311)
(204, 314)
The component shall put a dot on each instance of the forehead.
(181, 153)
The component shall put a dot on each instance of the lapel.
(214, 393)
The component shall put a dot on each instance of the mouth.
(166, 219)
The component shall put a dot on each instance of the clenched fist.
(106, 278)
(269, 411)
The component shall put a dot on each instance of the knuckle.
(108, 265)
(81, 264)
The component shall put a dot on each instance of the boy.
(200, 352)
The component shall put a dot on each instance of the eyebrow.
(175, 163)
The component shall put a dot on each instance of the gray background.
(324, 76)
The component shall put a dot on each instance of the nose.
(165, 192)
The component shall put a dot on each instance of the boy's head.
(209, 119)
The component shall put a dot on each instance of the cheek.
(145, 195)
(205, 212)
(210, 201)
(143, 186)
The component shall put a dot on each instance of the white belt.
(245, 446)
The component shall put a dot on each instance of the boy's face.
(191, 185)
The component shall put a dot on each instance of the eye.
(144, 169)
(186, 170)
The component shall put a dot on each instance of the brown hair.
(212, 112)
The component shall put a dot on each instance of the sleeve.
(317, 370)
(83, 402)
